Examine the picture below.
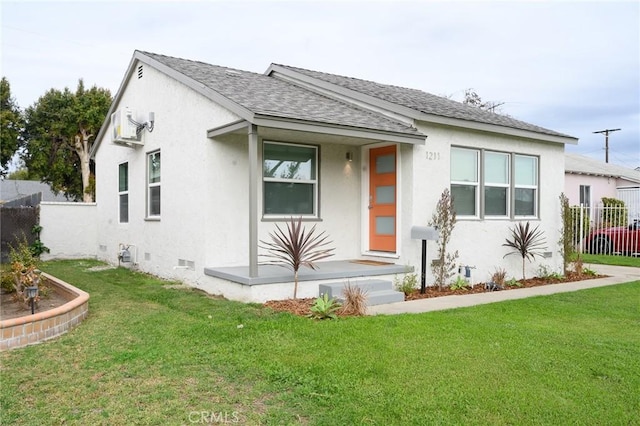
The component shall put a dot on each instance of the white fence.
(612, 230)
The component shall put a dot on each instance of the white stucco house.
(221, 156)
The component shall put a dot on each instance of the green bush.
(408, 283)
(615, 212)
(324, 308)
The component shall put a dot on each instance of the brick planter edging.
(41, 326)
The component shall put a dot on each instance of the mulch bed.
(302, 307)
(10, 307)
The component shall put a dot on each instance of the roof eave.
(282, 123)
(494, 128)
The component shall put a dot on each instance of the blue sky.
(573, 67)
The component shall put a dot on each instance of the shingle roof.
(269, 96)
(579, 164)
(423, 102)
(13, 189)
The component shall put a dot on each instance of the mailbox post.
(424, 233)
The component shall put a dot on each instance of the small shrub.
(37, 248)
(355, 300)
(296, 248)
(545, 272)
(589, 272)
(444, 219)
(7, 280)
(324, 308)
(526, 241)
(578, 266)
(407, 285)
(513, 283)
(499, 276)
(459, 284)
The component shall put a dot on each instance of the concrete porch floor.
(327, 270)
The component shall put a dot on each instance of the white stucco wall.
(479, 242)
(69, 230)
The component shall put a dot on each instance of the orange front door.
(382, 199)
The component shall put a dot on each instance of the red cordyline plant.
(296, 248)
(526, 242)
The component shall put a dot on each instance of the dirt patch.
(302, 307)
(12, 308)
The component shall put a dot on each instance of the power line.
(606, 142)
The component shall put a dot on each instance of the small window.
(464, 181)
(496, 184)
(290, 179)
(585, 195)
(153, 184)
(526, 185)
(123, 192)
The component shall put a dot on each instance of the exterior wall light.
(349, 156)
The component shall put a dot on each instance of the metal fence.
(611, 230)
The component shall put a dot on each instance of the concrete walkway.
(616, 275)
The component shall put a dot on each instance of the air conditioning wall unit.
(123, 127)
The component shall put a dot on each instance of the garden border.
(41, 326)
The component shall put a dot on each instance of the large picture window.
(123, 192)
(153, 184)
(508, 183)
(290, 176)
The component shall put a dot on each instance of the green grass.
(611, 260)
(153, 355)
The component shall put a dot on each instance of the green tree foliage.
(60, 129)
(12, 122)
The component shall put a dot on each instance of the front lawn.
(615, 260)
(151, 354)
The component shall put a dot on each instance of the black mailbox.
(424, 233)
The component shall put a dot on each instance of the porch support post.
(254, 168)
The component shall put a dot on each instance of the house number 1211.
(433, 155)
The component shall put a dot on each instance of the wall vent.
(140, 69)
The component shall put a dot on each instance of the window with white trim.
(153, 184)
(496, 184)
(123, 192)
(508, 183)
(464, 180)
(585, 195)
(290, 179)
(526, 185)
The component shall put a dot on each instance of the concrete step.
(335, 289)
(383, 297)
(378, 292)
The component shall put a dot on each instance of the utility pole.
(606, 142)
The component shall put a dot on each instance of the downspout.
(254, 167)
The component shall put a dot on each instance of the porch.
(276, 282)
(327, 270)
